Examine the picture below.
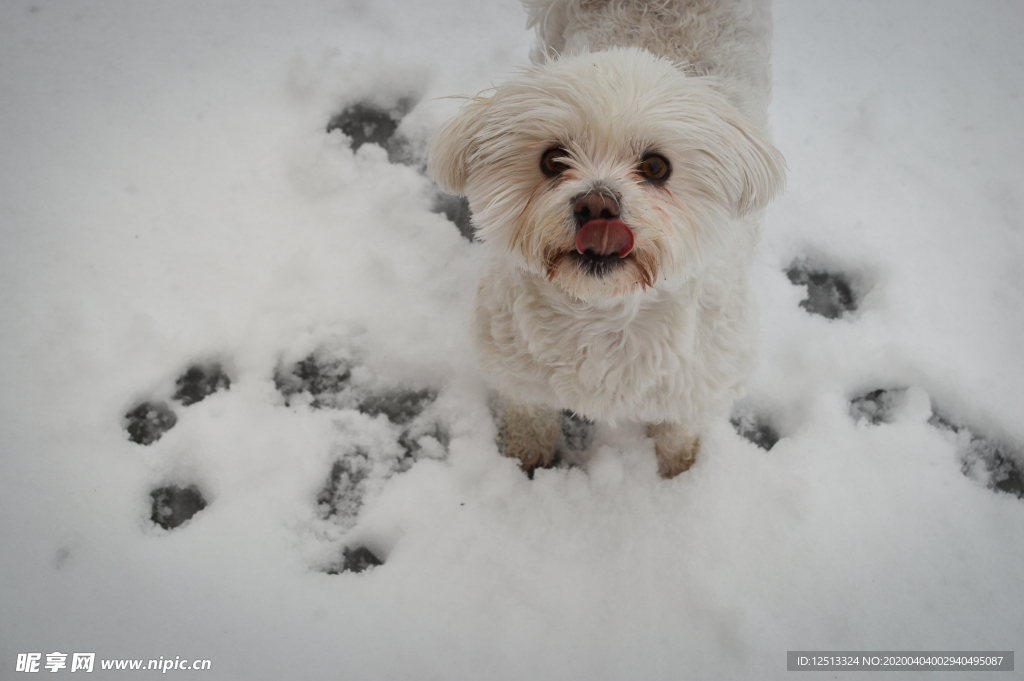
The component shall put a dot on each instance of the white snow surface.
(169, 195)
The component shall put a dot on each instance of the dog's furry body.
(618, 187)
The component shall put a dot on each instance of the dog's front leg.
(675, 446)
(529, 433)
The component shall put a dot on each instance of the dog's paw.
(533, 435)
(541, 438)
(675, 447)
(172, 505)
(830, 294)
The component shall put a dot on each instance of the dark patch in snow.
(876, 406)
(361, 471)
(754, 427)
(199, 382)
(343, 494)
(993, 463)
(942, 422)
(60, 558)
(400, 407)
(429, 441)
(147, 422)
(329, 382)
(456, 209)
(383, 427)
(364, 122)
(173, 505)
(829, 294)
(323, 378)
(1004, 473)
(577, 432)
(356, 559)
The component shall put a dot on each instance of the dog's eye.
(654, 167)
(551, 162)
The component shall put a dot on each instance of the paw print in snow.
(399, 420)
(148, 421)
(366, 122)
(985, 459)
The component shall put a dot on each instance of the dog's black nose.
(595, 205)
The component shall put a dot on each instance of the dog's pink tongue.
(604, 238)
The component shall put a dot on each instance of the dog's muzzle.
(600, 234)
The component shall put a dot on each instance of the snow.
(169, 197)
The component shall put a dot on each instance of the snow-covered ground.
(169, 198)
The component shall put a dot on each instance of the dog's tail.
(727, 39)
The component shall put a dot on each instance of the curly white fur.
(728, 39)
(663, 334)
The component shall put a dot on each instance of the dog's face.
(604, 172)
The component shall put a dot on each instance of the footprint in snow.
(148, 421)
(754, 425)
(332, 379)
(369, 123)
(995, 464)
(830, 294)
(397, 418)
(173, 506)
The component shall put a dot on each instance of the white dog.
(618, 186)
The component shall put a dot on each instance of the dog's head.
(603, 172)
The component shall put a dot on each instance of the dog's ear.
(762, 169)
(450, 151)
(748, 171)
